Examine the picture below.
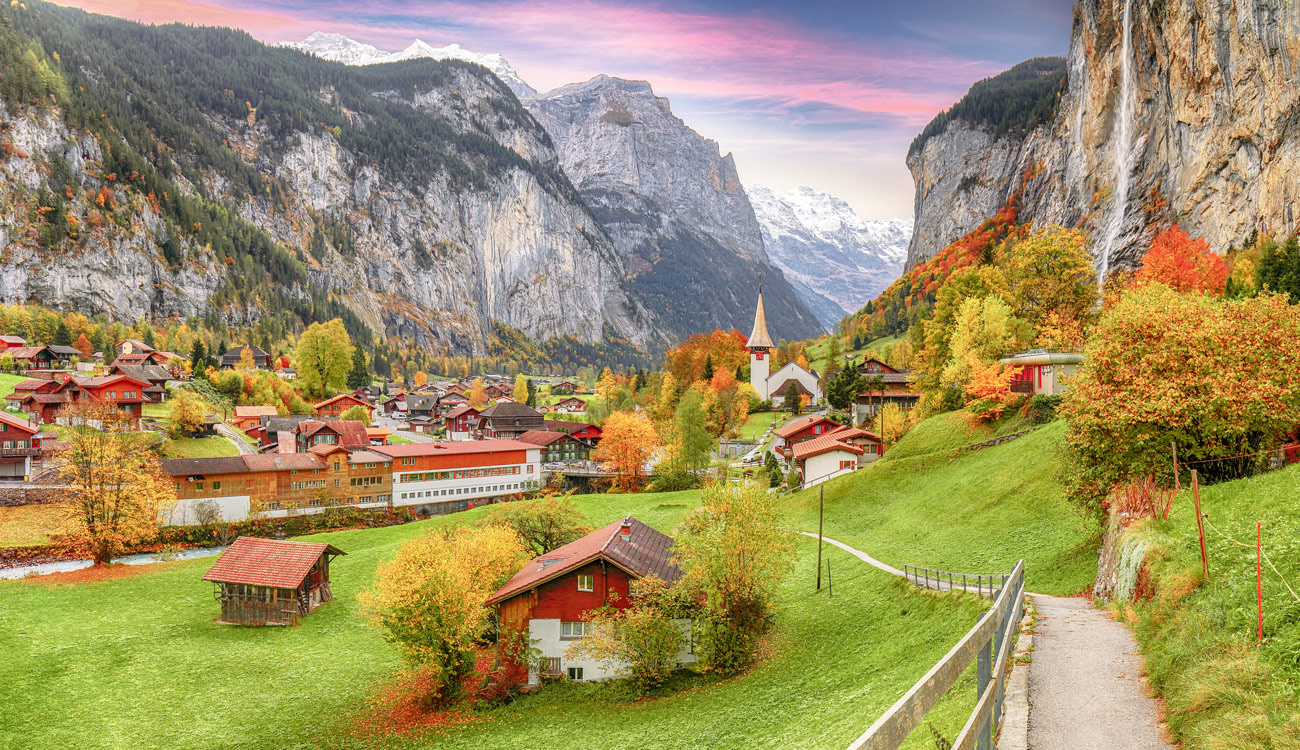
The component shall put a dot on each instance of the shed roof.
(268, 562)
(543, 437)
(644, 552)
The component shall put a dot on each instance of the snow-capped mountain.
(340, 48)
(836, 260)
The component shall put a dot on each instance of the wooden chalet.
(508, 420)
(588, 433)
(571, 405)
(800, 429)
(557, 446)
(11, 342)
(460, 422)
(839, 451)
(333, 407)
(156, 375)
(898, 390)
(247, 417)
(348, 433)
(20, 442)
(261, 359)
(271, 582)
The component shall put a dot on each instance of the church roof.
(759, 338)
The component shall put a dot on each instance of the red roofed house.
(445, 477)
(348, 433)
(551, 597)
(271, 582)
(834, 453)
(20, 442)
(127, 393)
(461, 422)
(251, 416)
(897, 390)
(803, 428)
(588, 433)
(11, 342)
(571, 405)
(333, 407)
(557, 446)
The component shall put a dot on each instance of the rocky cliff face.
(835, 260)
(500, 236)
(673, 206)
(1213, 137)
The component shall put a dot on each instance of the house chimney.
(625, 530)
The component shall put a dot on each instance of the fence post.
(983, 671)
(1200, 523)
(821, 508)
(1177, 482)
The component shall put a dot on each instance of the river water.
(64, 566)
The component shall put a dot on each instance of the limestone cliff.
(673, 206)
(1211, 138)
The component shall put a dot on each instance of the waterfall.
(1122, 137)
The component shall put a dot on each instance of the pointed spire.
(759, 338)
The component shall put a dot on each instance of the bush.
(1041, 408)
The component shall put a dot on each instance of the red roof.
(268, 562)
(824, 444)
(890, 394)
(799, 424)
(459, 410)
(21, 424)
(31, 385)
(448, 448)
(543, 437)
(281, 461)
(344, 397)
(256, 411)
(644, 552)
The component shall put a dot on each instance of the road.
(228, 432)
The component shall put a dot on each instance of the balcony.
(19, 452)
(1022, 386)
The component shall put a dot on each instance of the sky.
(823, 93)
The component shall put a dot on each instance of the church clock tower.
(760, 347)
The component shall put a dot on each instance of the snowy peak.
(341, 49)
(836, 260)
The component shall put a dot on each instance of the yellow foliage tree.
(113, 489)
(429, 600)
(477, 394)
(628, 440)
(420, 379)
(520, 392)
(188, 411)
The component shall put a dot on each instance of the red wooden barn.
(270, 581)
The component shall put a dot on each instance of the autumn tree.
(984, 329)
(1050, 271)
(324, 356)
(891, 424)
(188, 413)
(113, 489)
(642, 639)
(733, 555)
(520, 392)
(83, 345)
(429, 600)
(1183, 264)
(543, 523)
(1200, 371)
(420, 379)
(245, 363)
(357, 413)
(726, 403)
(628, 441)
(477, 394)
(989, 389)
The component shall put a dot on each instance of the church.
(773, 385)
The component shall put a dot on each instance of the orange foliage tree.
(989, 389)
(83, 345)
(628, 440)
(477, 394)
(686, 361)
(429, 600)
(1183, 264)
(114, 491)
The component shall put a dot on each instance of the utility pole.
(821, 513)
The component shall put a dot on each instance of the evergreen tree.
(62, 336)
(359, 375)
(773, 470)
(147, 337)
(198, 357)
(708, 367)
(791, 399)
(532, 393)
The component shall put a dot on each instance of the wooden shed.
(271, 582)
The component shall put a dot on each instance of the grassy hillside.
(950, 431)
(970, 512)
(1199, 638)
(8, 381)
(81, 658)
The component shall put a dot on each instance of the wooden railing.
(989, 645)
(942, 580)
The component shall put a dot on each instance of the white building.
(446, 477)
(771, 385)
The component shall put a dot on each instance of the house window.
(216, 485)
(314, 503)
(575, 673)
(198, 486)
(574, 629)
(586, 583)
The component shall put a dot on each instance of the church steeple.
(759, 338)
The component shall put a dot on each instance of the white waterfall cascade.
(1123, 147)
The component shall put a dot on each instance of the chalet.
(392, 388)
(557, 446)
(588, 433)
(333, 407)
(1043, 371)
(421, 404)
(445, 477)
(422, 425)
(143, 358)
(348, 433)
(571, 405)
(26, 387)
(460, 422)
(32, 357)
(458, 388)
(379, 436)
(271, 429)
(124, 391)
(251, 416)
(799, 429)
(133, 346)
(277, 484)
(394, 404)
(155, 375)
(11, 342)
(63, 354)
(451, 400)
(835, 453)
(261, 360)
(564, 388)
(897, 390)
(368, 393)
(20, 442)
(271, 582)
(509, 420)
(549, 599)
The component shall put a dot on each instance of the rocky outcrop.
(836, 260)
(673, 206)
(1215, 133)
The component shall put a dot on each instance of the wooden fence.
(989, 645)
(942, 580)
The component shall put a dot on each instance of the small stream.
(145, 558)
